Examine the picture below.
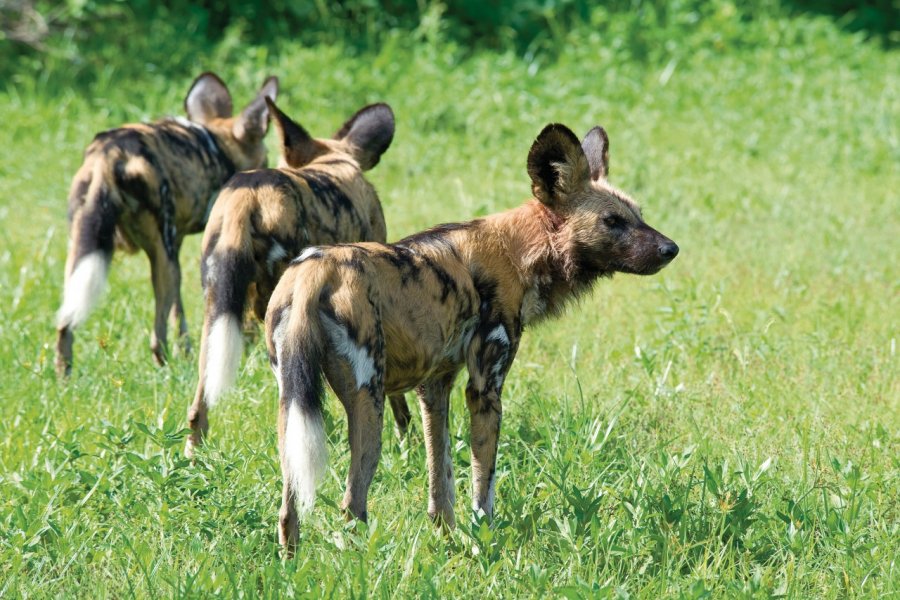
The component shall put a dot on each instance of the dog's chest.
(534, 304)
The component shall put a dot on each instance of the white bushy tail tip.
(306, 453)
(82, 290)
(224, 347)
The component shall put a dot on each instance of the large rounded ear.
(370, 131)
(297, 146)
(557, 165)
(253, 123)
(208, 99)
(596, 148)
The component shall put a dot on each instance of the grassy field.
(727, 428)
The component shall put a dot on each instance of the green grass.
(729, 427)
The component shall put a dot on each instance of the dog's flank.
(146, 186)
(410, 315)
(264, 218)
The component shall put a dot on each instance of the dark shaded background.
(77, 37)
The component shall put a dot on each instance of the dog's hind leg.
(166, 276)
(177, 319)
(356, 374)
(365, 419)
(434, 399)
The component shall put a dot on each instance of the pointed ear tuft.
(596, 148)
(557, 165)
(208, 99)
(253, 123)
(298, 148)
(370, 132)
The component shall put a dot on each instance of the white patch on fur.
(305, 453)
(278, 338)
(83, 289)
(360, 360)
(224, 347)
(211, 273)
(308, 252)
(276, 253)
(498, 334)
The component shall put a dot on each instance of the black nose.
(669, 250)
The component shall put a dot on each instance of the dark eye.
(614, 222)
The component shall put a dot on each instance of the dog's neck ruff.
(539, 247)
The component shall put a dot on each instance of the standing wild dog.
(262, 219)
(379, 319)
(147, 186)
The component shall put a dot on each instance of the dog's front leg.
(490, 355)
(485, 412)
(434, 399)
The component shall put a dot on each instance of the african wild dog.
(262, 219)
(379, 319)
(147, 186)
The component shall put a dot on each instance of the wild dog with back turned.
(146, 186)
(378, 319)
(317, 195)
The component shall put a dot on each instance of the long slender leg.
(179, 323)
(197, 413)
(434, 399)
(64, 342)
(65, 339)
(402, 416)
(166, 276)
(490, 356)
(356, 374)
(365, 419)
(485, 412)
(288, 521)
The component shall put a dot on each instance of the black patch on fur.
(436, 235)
(323, 186)
(487, 292)
(166, 219)
(447, 283)
(134, 187)
(301, 377)
(404, 261)
(78, 196)
(96, 225)
(234, 272)
(196, 141)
